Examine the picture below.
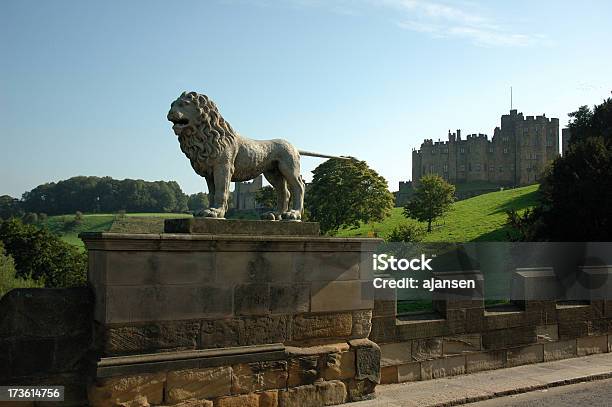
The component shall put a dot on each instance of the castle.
(516, 155)
(244, 194)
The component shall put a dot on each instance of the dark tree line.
(101, 195)
(576, 193)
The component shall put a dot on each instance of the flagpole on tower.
(510, 97)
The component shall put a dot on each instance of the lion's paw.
(212, 213)
(270, 216)
(292, 215)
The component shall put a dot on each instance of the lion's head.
(201, 130)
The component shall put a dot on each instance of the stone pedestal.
(193, 310)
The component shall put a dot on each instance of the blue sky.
(85, 86)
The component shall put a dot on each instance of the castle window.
(433, 151)
(477, 165)
(432, 168)
(424, 169)
(505, 151)
(445, 150)
(501, 169)
(469, 166)
(505, 139)
(462, 150)
(462, 167)
(490, 149)
(549, 142)
(445, 167)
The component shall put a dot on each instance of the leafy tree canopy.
(433, 196)
(42, 256)
(266, 197)
(346, 193)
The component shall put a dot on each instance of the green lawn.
(68, 230)
(481, 218)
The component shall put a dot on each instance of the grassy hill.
(479, 218)
(66, 227)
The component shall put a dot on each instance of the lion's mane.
(208, 138)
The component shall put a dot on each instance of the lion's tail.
(311, 154)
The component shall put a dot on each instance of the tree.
(346, 193)
(433, 196)
(41, 255)
(197, 202)
(266, 197)
(8, 278)
(9, 207)
(576, 191)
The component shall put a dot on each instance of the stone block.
(409, 372)
(245, 331)
(560, 350)
(148, 388)
(258, 376)
(252, 299)
(339, 365)
(389, 375)
(211, 226)
(367, 360)
(321, 394)
(446, 366)
(289, 298)
(245, 267)
(477, 362)
(525, 355)
(461, 343)
(198, 383)
(416, 329)
(268, 399)
(362, 324)
(46, 312)
(302, 370)
(537, 283)
(592, 345)
(316, 326)
(245, 400)
(383, 330)
(358, 390)
(504, 338)
(71, 352)
(385, 308)
(332, 392)
(194, 403)
(130, 304)
(504, 320)
(393, 354)
(333, 296)
(326, 266)
(151, 337)
(599, 327)
(474, 320)
(423, 349)
(155, 268)
(573, 329)
(547, 333)
(30, 356)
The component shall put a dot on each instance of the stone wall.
(465, 336)
(46, 338)
(246, 320)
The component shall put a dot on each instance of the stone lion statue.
(221, 156)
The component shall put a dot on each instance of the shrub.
(407, 232)
(8, 278)
(41, 255)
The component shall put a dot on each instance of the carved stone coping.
(223, 243)
(192, 359)
(211, 226)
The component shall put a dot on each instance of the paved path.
(495, 383)
(593, 394)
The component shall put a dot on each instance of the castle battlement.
(501, 159)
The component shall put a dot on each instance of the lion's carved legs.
(218, 187)
(276, 179)
(291, 173)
